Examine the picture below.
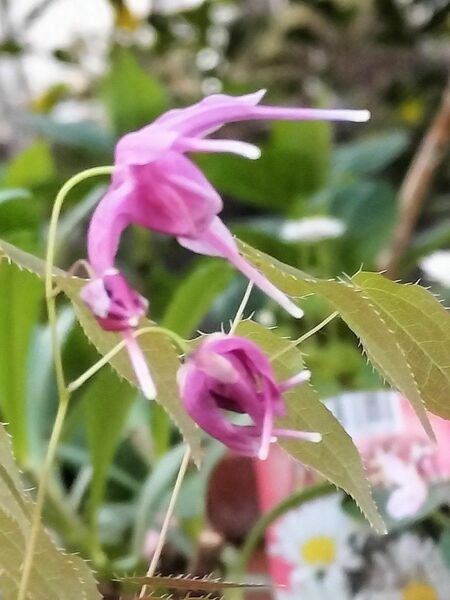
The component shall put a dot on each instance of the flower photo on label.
(317, 542)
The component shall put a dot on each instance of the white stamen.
(298, 379)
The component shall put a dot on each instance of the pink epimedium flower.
(156, 186)
(117, 307)
(230, 373)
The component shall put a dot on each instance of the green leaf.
(156, 485)
(31, 168)
(20, 299)
(293, 165)
(195, 295)
(54, 575)
(41, 387)
(370, 155)
(9, 194)
(368, 209)
(132, 97)
(336, 457)
(397, 354)
(18, 211)
(106, 396)
(421, 326)
(158, 350)
(70, 221)
(190, 583)
(86, 136)
(444, 546)
(307, 146)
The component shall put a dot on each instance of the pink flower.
(117, 307)
(406, 467)
(230, 373)
(155, 186)
(409, 490)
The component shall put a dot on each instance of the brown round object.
(232, 498)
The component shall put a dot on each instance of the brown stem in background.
(416, 184)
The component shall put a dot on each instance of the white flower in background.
(315, 541)
(224, 13)
(84, 25)
(316, 589)
(410, 568)
(436, 267)
(169, 7)
(312, 229)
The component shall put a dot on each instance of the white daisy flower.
(436, 267)
(333, 586)
(315, 541)
(312, 229)
(410, 568)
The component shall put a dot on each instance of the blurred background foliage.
(76, 75)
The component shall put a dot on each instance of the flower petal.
(210, 113)
(298, 379)
(407, 500)
(110, 218)
(140, 366)
(307, 114)
(216, 366)
(266, 433)
(144, 146)
(215, 111)
(95, 296)
(218, 241)
(306, 436)
(227, 146)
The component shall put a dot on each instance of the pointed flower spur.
(228, 373)
(156, 186)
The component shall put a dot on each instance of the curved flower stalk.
(155, 186)
(230, 373)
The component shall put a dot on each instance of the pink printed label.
(312, 548)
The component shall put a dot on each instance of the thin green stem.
(50, 259)
(165, 527)
(179, 341)
(77, 383)
(187, 455)
(104, 360)
(306, 335)
(42, 488)
(63, 392)
(240, 310)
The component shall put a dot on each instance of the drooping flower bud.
(117, 307)
(231, 373)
